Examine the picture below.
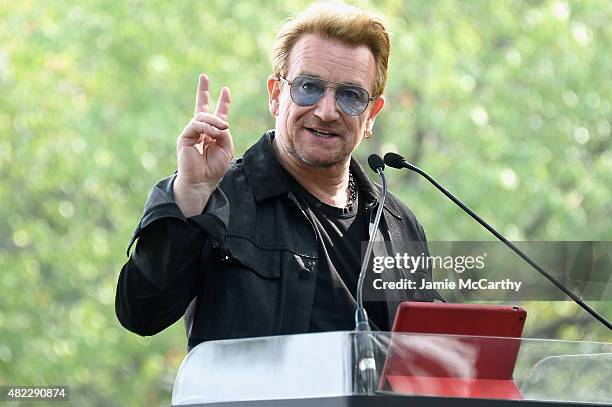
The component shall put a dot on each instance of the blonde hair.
(339, 21)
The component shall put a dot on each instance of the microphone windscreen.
(395, 160)
(376, 162)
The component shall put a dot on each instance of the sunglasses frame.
(327, 85)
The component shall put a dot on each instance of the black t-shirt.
(340, 234)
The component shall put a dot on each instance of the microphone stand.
(366, 363)
(397, 161)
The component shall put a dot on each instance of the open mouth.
(321, 133)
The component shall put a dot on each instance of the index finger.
(203, 95)
(223, 104)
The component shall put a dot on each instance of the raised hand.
(204, 151)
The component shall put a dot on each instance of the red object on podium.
(474, 359)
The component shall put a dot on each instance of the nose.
(326, 108)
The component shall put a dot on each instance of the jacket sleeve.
(158, 282)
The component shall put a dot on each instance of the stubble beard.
(333, 161)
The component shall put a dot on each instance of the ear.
(273, 94)
(377, 105)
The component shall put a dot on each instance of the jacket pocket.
(264, 263)
(241, 293)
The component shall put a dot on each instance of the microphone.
(376, 163)
(397, 161)
(366, 363)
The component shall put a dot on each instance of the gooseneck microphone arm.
(397, 161)
(361, 317)
(364, 343)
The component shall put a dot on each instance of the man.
(271, 243)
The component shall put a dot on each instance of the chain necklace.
(352, 198)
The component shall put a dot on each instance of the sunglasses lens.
(352, 100)
(307, 91)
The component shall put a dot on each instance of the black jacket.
(246, 266)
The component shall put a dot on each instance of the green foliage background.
(507, 102)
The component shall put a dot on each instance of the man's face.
(333, 61)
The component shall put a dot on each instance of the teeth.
(321, 133)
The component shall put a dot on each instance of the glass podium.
(394, 369)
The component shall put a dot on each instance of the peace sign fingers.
(204, 150)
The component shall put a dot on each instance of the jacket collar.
(269, 179)
(265, 174)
